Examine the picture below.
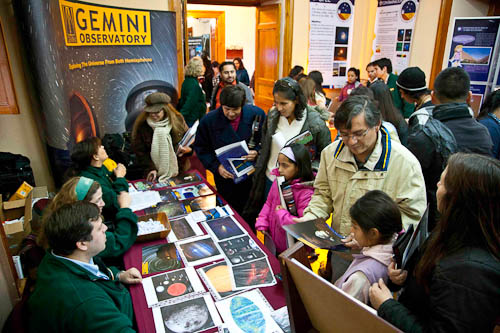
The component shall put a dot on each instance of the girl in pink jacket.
(295, 166)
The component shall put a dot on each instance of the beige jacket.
(390, 168)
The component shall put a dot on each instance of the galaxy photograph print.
(224, 228)
(257, 273)
(197, 251)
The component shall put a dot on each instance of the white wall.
(240, 30)
(463, 8)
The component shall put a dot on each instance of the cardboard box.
(22, 192)
(11, 210)
(316, 305)
(162, 217)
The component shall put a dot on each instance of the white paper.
(281, 318)
(330, 39)
(248, 312)
(198, 251)
(196, 314)
(156, 288)
(144, 199)
(394, 28)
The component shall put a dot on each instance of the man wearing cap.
(75, 291)
(383, 68)
(413, 89)
(227, 71)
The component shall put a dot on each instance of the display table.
(144, 315)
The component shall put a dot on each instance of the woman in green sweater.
(88, 157)
(192, 104)
(122, 229)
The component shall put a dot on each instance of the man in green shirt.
(75, 291)
(383, 67)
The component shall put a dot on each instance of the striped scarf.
(162, 150)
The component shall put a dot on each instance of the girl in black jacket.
(455, 286)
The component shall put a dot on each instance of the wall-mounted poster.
(330, 39)
(394, 29)
(93, 66)
(473, 46)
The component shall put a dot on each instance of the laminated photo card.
(171, 285)
(210, 214)
(254, 274)
(182, 228)
(248, 312)
(186, 192)
(197, 251)
(239, 250)
(217, 278)
(160, 258)
(194, 314)
(224, 228)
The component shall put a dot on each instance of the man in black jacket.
(451, 96)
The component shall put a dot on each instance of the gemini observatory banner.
(394, 28)
(93, 65)
(330, 39)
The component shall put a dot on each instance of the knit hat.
(412, 79)
(156, 102)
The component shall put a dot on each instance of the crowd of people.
(400, 149)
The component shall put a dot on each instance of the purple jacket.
(272, 221)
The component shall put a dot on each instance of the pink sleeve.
(302, 200)
(266, 211)
(284, 217)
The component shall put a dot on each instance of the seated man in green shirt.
(75, 291)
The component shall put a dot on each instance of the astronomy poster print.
(330, 39)
(474, 47)
(394, 28)
(93, 66)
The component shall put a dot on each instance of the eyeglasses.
(359, 135)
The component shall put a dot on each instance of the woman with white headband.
(294, 164)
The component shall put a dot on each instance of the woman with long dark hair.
(455, 286)
(390, 114)
(289, 117)
(241, 72)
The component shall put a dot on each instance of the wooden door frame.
(288, 37)
(220, 30)
(177, 6)
(440, 44)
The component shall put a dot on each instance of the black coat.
(215, 131)
(464, 296)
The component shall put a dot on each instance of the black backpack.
(440, 135)
(14, 170)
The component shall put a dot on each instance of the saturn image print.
(408, 10)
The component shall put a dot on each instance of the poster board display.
(474, 46)
(93, 65)
(330, 39)
(394, 28)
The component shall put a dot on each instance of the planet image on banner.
(342, 35)
(344, 11)
(189, 316)
(408, 10)
(247, 315)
